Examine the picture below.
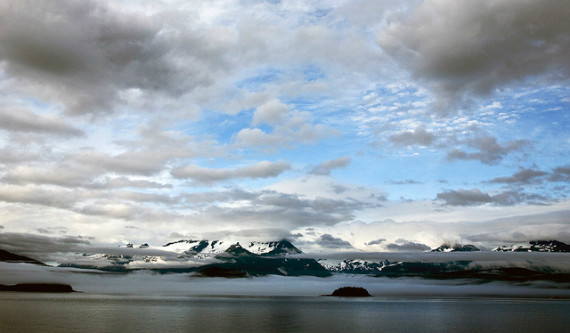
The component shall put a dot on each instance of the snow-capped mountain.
(206, 248)
(354, 266)
(536, 246)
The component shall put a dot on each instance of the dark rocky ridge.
(38, 288)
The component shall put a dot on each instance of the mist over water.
(144, 282)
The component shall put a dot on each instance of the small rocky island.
(351, 292)
(38, 288)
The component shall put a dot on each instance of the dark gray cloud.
(465, 49)
(41, 247)
(376, 242)
(326, 167)
(474, 197)
(463, 197)
(330, 242)
(23, 120)
(419, 136)
(489, 151)
(523, 176)
(405, 246)
(561, 174)
(264, 169)
(89, 54)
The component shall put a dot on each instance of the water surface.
(23, 312)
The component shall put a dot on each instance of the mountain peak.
(205, 247)
(536, 246)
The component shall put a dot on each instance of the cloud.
(142, 162)
(122, 182)
(23, 120)
(404, 182)
(41, 247)
(489, 151)
(61, 176)
(258, 234)
(271, 113)
(39, 196)
(288, 126)
(88, 55)
(264, 208)
(264, 169)
(523, 176)
(376, 242)
(475, 197)
(561, 174)
(330, 242)
(326, 167)
(11, 154)
(467, 49)
(405, 246)
(419, 136)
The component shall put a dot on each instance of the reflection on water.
(115, 313)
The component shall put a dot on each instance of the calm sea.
(23, 312)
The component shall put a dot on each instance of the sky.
(340, 125)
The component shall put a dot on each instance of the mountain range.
(204, 258)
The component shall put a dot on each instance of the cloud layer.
(319, 121)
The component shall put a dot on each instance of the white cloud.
(264, 169)
(272, 112)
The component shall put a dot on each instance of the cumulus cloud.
(326, 167)
(488, 150)
(419, 136)
(270, 113)
(330, 242)
(474, 197)
(264, 169)
(288, 126)
(465, 49)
